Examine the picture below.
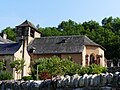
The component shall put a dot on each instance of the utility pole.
(37, 72)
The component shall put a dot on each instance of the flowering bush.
(51, 67)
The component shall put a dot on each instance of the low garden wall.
(113, 69)
(104, 81)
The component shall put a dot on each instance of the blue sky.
(49, 13)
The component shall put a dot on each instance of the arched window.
(98, 59)
(92, 58)
(86, 58)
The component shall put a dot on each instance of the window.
(86, 58)
(32, 33)
(92, 58)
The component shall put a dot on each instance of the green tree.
(11, 34)
(18, 65)
(107, 23)
(50, 31)
(68, 28)
(91, 25)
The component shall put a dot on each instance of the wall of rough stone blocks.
(104, 81)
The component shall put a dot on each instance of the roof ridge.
(63, 36)
(94, 43)
(28, 23)
(88, 39)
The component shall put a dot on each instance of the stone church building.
(30, 45)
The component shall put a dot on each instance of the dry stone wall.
(104, 81)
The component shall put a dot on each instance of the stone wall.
(104, 81)
(113, 69)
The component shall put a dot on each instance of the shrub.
(104, 70)
(48, 67)
(4, 75)
(25, 78)
(84, 70)
(54, 66)
(96, 69)
(45, 75)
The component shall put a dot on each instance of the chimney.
(4, 35)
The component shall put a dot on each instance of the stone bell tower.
(27, 32)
